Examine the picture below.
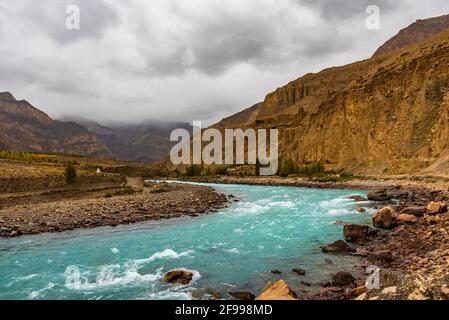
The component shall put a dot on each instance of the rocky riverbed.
(44, 213)
(406, 249)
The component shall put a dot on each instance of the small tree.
(70, 174)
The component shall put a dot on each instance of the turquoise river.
(231, 250)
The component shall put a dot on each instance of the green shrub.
(194, 170)
(222, 171)
(70, 174)
(15, 155)
(313, 169)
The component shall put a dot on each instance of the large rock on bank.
(278, 291)
(357, 233)
(435, 208)
(380, 195)
(385, 218)
(342, 278)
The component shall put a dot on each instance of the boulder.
(356, 232)
(414, 211)
(342, 278)
(385, 218)
(178, 277)
(277, 291)
(242, 295)
(361, 210)
(380, 195)
(435, 208)
(407, 218)
(339, 246)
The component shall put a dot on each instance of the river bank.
(439, 184)
(62, 211)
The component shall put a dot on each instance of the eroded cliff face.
(25, 128)
(385, 115)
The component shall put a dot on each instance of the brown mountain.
(25, 128)
(417, 32)
(387, 114)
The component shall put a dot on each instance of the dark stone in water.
(357, 198)
(299, 271)
(307, 284)
(276, 271)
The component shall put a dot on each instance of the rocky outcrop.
(384, 115)
(25, 128)
(277, 291)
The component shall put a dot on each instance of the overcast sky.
(181, 60)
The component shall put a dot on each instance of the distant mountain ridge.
(145, 143)
(26, 128)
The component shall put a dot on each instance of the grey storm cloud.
(343, 9)
(48, 15)
(182, 60)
